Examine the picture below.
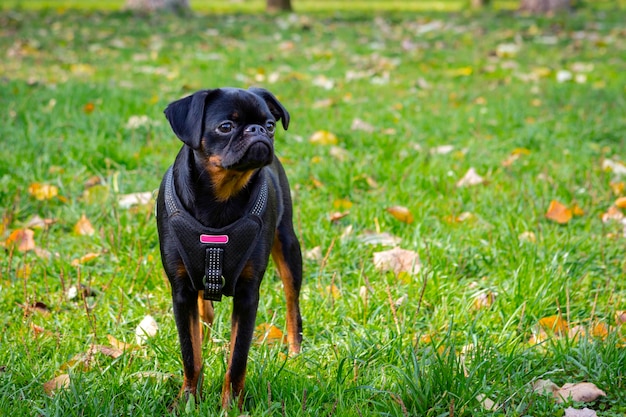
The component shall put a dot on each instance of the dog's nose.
(256, 129)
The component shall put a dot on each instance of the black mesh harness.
(214, 258)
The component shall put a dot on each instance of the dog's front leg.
(190, 335)
(245, 304)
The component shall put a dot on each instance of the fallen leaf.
(545, 386)
(617, 187)
(585, 412)
(558, 212)
(483, 300)
(612, 214)
(146, 329)
(55, 384)
(43, 191)
(333, 291)
(269, 334)
(397, 260)
(599, 330)
(83, 227)
(37, 222)
(554, 324)
(384, 238)
(128, 200)
(314, 254)
(583, 392)
(336, 216)
(89, 108)
(620, 203)
(358, 124)
(527, 236)
(470, 178)
(339, 153)
(85, 259)
(119, 345)
(487, 403)
(342, 204)
(442, 150)
(577, 210)
(22, 239)
(620, 317)
(617, 167)
(323, 137)
(401, 213)
(320, 104)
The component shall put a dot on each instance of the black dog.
(223, 207)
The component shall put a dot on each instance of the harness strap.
(196, 240)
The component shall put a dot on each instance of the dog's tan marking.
(231, 389)
(205, 309)
(290, 294)
(226, 182)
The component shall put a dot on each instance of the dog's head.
(231, 128)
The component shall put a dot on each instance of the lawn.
(492, 145)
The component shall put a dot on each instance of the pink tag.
(213, 238)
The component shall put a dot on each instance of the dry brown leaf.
(37, 222)
(22, 239)
(385, 239)
(314, 254)
(585, 412)
(401, 213)
(146, 329)
(583, 392)
(483, 300)
(487, 403)
(558, 212)
(545, 386)
(620, 317)
(397, 260)
(612, 214)
(43, 191)
(323, 137)
(119, 345)
(470, 178)
(129, 200)
(269, 334)
(55, 384)
(336, 216)
(358, 124)
(83, 227)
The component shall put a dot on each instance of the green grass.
(419, 89)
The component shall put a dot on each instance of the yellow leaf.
(85, 258)
(43, 191)
(323, 137)
(483, 300)
(401, 213)
(342, 204)
(620, 203)
(617, 187)
(554, 324)
(333, 291)
(83, 227)
(118, 344)
(559, 213)
(22, 239)
(269, 334)
(460, 72)
(577, 210)
(600, 330)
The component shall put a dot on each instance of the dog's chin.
(258, 155)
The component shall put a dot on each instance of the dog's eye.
(270, 126)
(226, 127)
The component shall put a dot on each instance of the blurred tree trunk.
(153, 5)
(544, 6)
(278, 5)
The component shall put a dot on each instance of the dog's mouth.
(249, 154)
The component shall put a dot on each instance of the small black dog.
(223, 207)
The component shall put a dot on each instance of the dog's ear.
(277, 109)
(186, 116)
